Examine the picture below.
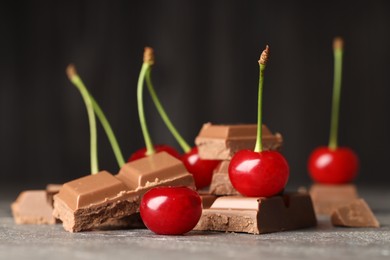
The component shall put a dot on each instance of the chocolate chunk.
(326, 198)
(32, 207)
(51, 190)
(103, 201)
(207, 200)
(88, 202)
(220, 183)
(160, 169)
(221, 142)
(354, 214)
(259, 215)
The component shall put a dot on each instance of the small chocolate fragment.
(221, 142)
(32, 207)
(259, 215)
(160, 169)
(354, 214)
(326, 198)
(220, 183)
(88, 202)
(207, 200)
(51, 190)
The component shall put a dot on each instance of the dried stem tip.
(264, 56)
(148, 55)
(71, 71)
(338, 43)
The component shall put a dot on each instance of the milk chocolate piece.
(221, 142)
(207, 200)
(103, 201)
(220, 183)
(259, 215)
(32, 207)
(51, 190)
(89, 202)
(326, 198)
(160, 169)
(354, 214)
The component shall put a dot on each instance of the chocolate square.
(259, 215)
(221, 142)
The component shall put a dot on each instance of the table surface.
(322, 242)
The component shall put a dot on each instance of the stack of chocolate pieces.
(221, 142)
(235, 213)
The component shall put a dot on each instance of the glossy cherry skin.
(262, 174)
(141, 153)
(171, 210)
(329, 166)
(201, 170)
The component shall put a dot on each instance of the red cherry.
(171, 210)
(202, 170)
(141, 153)
(256, 174)
(333, 166)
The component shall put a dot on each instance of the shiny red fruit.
(141, 153)
(254, 174)
(202, 170)
(329, 166)
(171, 210)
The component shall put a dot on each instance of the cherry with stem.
(202, 170)
(259, 173)
(334, 164)
(76, 80)
(150, 148)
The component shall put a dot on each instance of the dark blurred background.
(206, 70)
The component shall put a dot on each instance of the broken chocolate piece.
(103, 201)
(326, 198)
(207, 200)
(259, 215)
(89, 202)
(51, 190)
(221, 142)
(160, 169)
(220, 183)
(32, 207)
(354, 214)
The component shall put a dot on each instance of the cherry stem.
(262, 64)
(338, 63)
(110, 134)
(76, 80)
(183, 144)
(148, 141)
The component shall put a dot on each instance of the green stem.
(110, 134)
(338, 62)
(140, 86)
(183, 144)
(76, 80)
(259, 142)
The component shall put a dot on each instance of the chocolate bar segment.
(89, 202)
(220, 183)
(207, 200)
(160, 169)
(221, 142)
(327, 198)
(259, 215)
(32, 207)
(354, 214)
(104, 201)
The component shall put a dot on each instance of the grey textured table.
(322, 242)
